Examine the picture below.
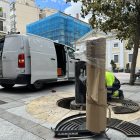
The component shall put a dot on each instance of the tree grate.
(70, 127)
(128, 106)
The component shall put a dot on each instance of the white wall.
(5, 4)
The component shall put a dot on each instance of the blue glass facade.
(59, 27)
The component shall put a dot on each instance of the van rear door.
(43, 59)
(11, 50)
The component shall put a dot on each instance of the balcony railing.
(12, 7)
(3, 15)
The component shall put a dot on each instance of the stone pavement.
(17, 124)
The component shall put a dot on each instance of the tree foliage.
(121, 15)
(113, 14)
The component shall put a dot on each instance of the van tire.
(35, 86)
(7, 85)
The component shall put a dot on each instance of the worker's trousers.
(115, 86)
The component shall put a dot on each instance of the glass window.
(71, 53)
(12, 6)
(116, 58)
(1, 25)
(12, 19)
(13, 26)
(116, 45)
(12, 13)
(130, 58)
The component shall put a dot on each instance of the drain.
(71, 126)
(2, 102)
(65, 102)
(128, 106)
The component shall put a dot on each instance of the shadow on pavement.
(24, 90)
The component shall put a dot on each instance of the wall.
(25, 15)
(6, 9)
(49, 11)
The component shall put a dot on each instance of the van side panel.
(43, 59)
(13, 46)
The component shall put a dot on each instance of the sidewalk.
(17, 124)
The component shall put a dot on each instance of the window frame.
(68, 53)
(118, 58)
(128, 57)
(116, 43)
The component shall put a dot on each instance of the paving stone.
(22, 123)
(6, 115)
(49, 125)
(1, 119)
(128, 94)
(18, 97)
(6, 99)
(1, 111)
(21, 111)
(9, 131)
(137, 122)
(11, 105)
(42, 132)
(135, 97)
(28, 100)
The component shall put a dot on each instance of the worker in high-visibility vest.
(113, 85)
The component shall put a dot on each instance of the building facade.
(4, 16)
(61, 27)
(115, 49)
(24, 12)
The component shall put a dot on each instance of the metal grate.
(128, 106)
(71, 127)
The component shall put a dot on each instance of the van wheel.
(7, 85)
(35, 86)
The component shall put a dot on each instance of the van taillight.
(21, 62)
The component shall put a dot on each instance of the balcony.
(2, 16)
(3, 30)
(12, 6)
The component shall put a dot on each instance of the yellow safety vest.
(109, 79)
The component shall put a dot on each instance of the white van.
(34, 60)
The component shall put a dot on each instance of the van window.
(71, 53)
(11, 44)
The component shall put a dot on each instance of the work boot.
(121, 96)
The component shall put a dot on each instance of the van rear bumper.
(21, 79)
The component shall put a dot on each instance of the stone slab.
(21, 111)
(21, 122)
(6, 99)
(11, 105)
(42, 132)
(6, 115)
(9, 131)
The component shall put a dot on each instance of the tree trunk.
(135, 52)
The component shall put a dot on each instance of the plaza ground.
(18, 124)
